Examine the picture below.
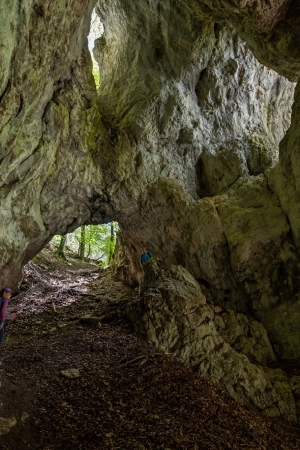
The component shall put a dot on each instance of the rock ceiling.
(190, 143)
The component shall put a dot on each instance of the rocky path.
(75, 376)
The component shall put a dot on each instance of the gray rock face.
(273, 22)
(46, 104)
(219, 118)
(174, 315)
(211, 129)
(215, 108)
(189, 144)
(248, 338)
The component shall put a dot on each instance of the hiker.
(145, 256)
(5, 295)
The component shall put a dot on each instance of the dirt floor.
(75, 376)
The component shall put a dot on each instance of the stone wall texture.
(225, 346)
(190, 143)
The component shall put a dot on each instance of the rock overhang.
(179, 145)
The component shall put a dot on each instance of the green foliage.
(97, 242)
(36, 259)
(96, 75)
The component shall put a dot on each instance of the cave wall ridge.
(190, 143)
(47, 115)
(204, 120)
(224, 346)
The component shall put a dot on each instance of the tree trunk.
(89, 250)
(112, 240)
(60, 252)
(81, 249)
(88, 256)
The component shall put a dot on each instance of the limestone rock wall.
(187, 144)
(204, 121)
(273, 22)
(204, 112)
(224, 346)
(46, 93)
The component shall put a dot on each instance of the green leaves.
(95, 242)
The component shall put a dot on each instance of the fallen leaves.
(70, 373)
(94, 388)
(6, 425)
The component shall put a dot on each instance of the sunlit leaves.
(98, 242)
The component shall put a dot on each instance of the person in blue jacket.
(145, 256)
(5, 295)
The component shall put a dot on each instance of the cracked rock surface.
(174, 315)
(191, 143)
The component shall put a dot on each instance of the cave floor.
(124, 395)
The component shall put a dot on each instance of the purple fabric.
(3, 309)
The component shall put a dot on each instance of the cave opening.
(90, 243)
(171, 96)
(96, 32)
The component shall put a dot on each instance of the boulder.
(172, 313)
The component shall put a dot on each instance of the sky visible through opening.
(96, 30)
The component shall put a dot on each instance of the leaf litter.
(125, 394)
